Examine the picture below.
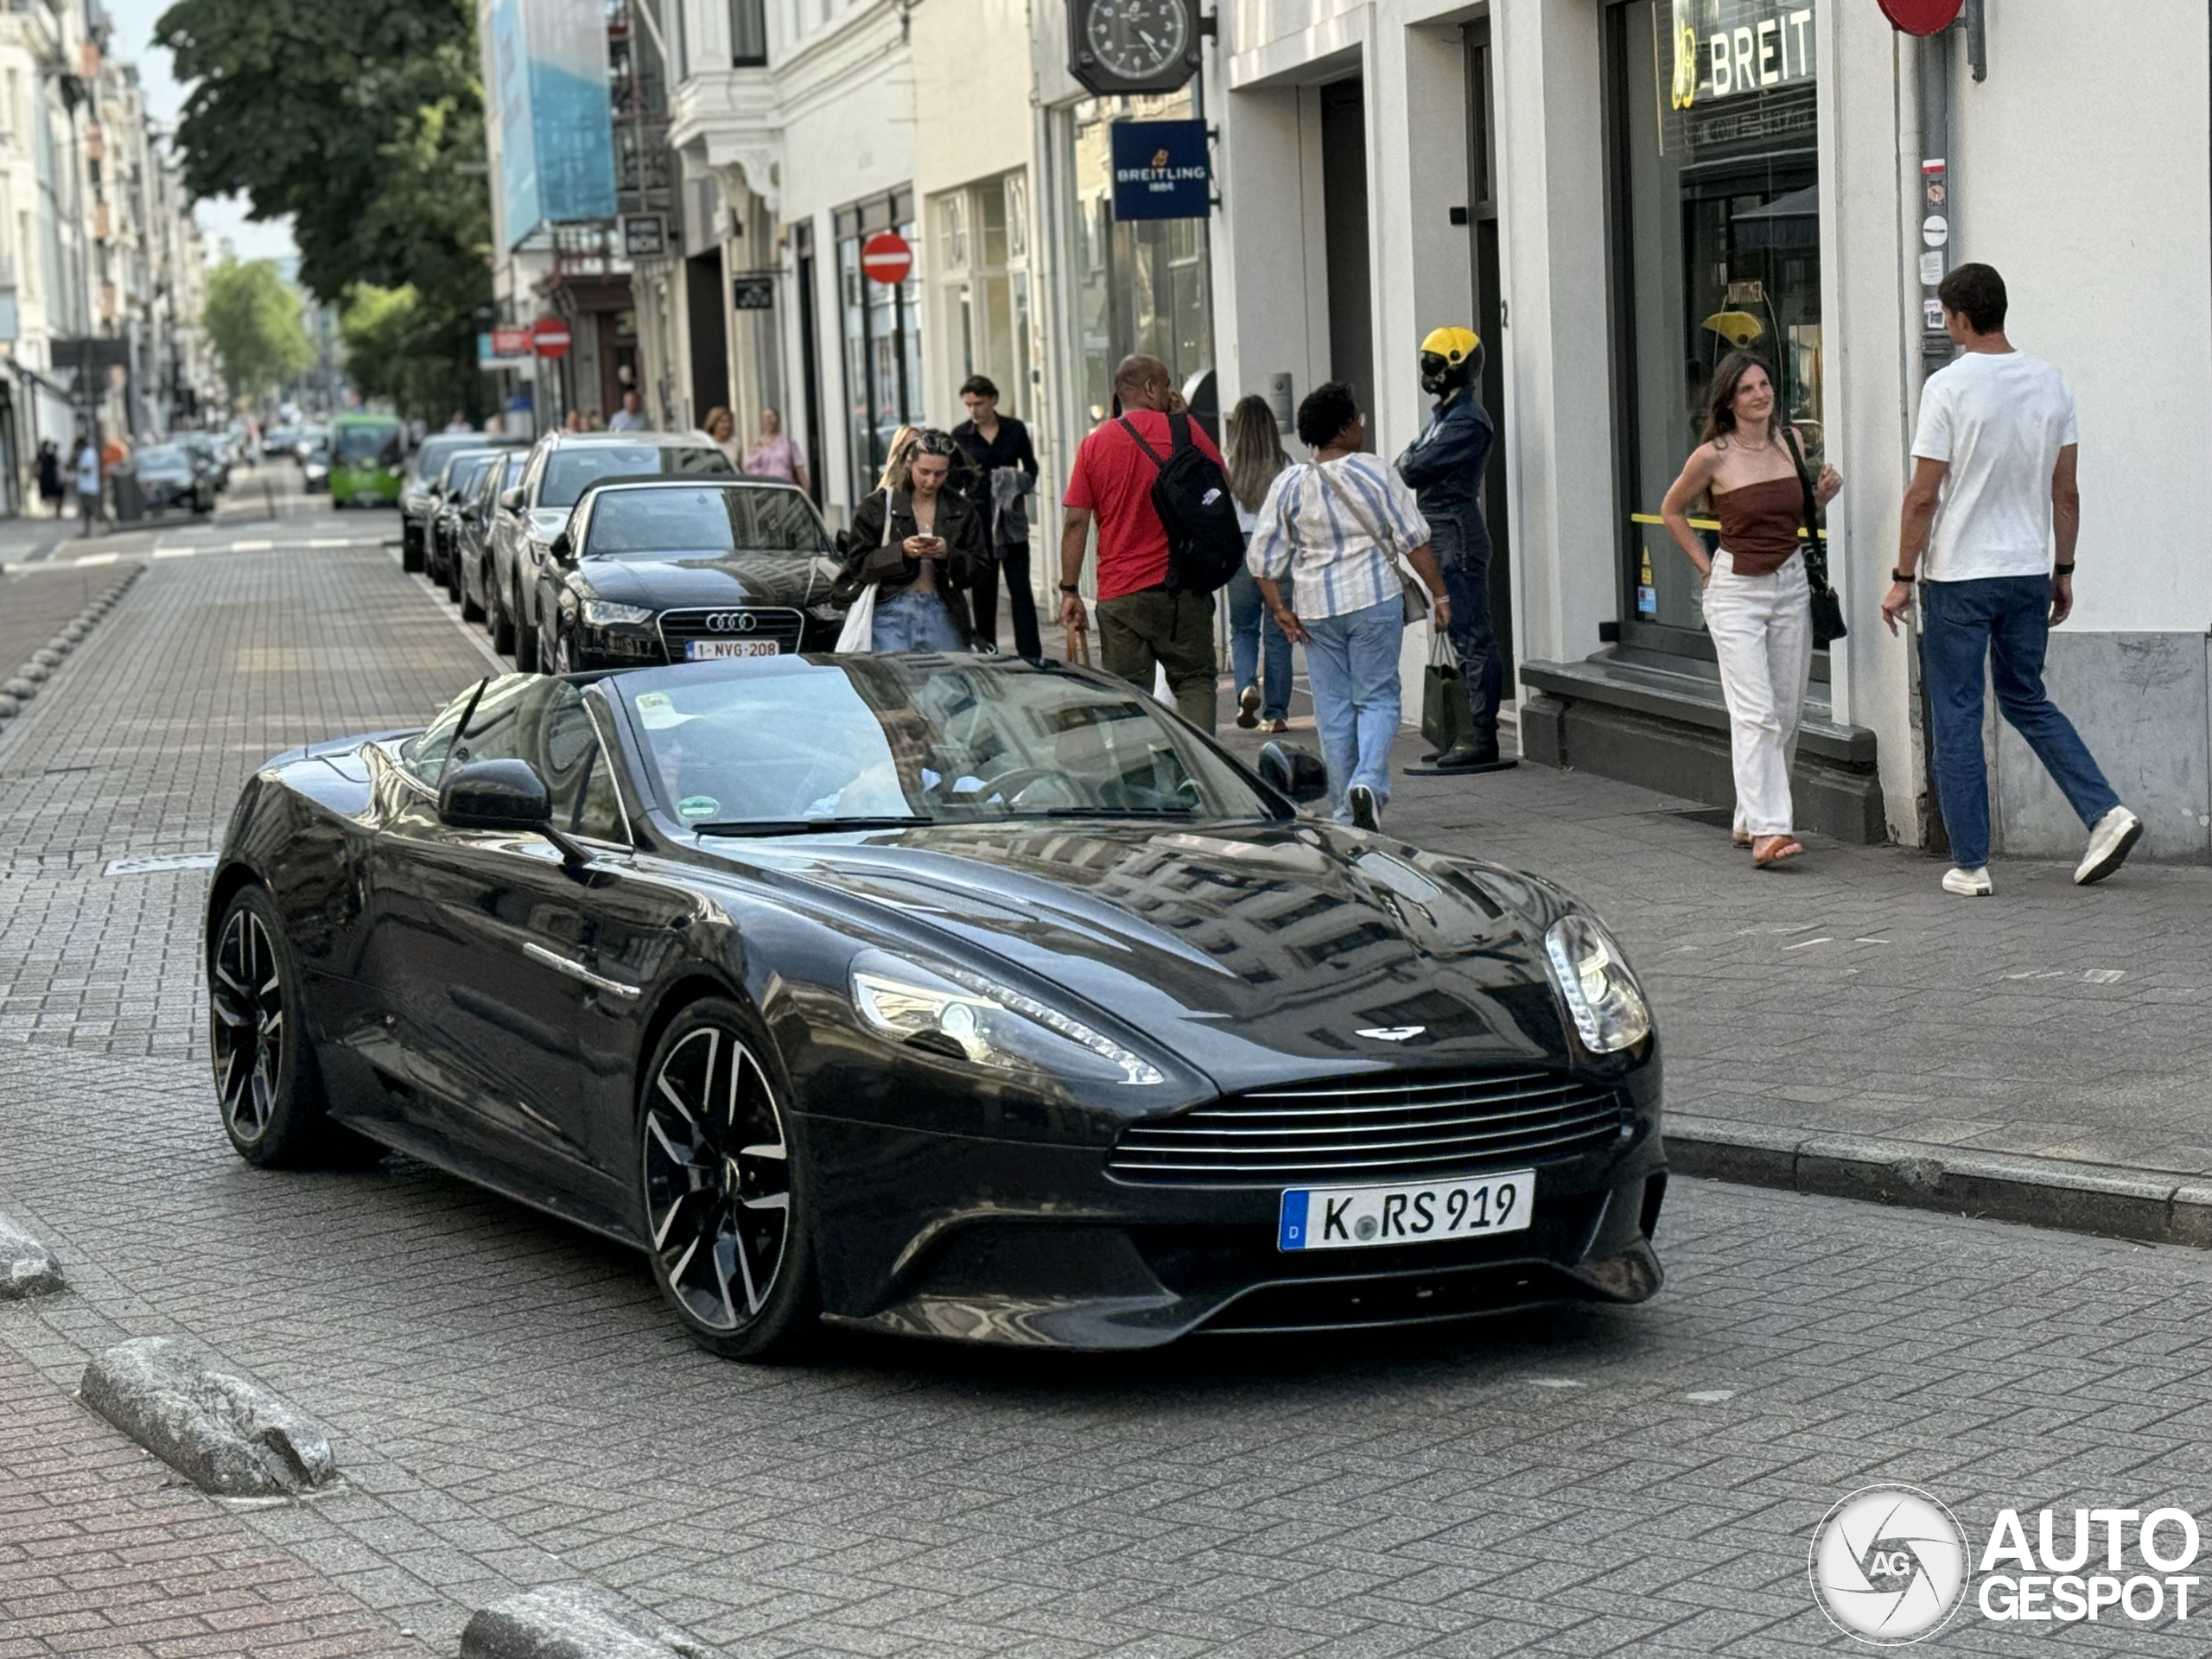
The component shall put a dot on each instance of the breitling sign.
(1727, 49)
(1160, 170)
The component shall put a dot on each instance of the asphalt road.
(512, 1407)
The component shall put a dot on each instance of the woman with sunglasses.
(919, 545)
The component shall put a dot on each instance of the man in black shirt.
(1005, 463)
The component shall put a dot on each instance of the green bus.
(367, 456)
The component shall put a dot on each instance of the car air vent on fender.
(1376, 1128)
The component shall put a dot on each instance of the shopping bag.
(1445, 717)
(859, 632)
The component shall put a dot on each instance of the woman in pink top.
(775, 455)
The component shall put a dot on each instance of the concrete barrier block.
(573, 1621)
(27, 1267)
(222, 1429)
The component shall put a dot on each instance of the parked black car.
(423, 469)
(472, 561)
(213, 454)
(687, 572)
(462, 471)
(957, 997)
(169, 475)
(536, 511)
(314, 471)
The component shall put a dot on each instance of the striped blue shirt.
(1305, 531)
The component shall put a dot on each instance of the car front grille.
(778, 623)
(1374, 1128)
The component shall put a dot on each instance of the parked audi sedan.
(968, 998)
(537, 509)
(169, 476)
(687, 572)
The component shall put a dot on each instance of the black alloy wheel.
(526, 640)
(721, 1204)
(266, 1083)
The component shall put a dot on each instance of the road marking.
(156, 865)
(95, 558)
(2104, 976)
(1807, 945)
(1710, 1396)
(249, 547)
(1869, 941)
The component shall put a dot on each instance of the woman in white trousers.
(1758, 608)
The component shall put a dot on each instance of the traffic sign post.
(887, 257)
(549, 337)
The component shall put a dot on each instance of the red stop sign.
(887, 257)
(1921, 16)
(549, 337)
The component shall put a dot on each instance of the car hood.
(706, 579)
(1257, 954)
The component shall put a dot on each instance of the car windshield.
(163, 460)
(431, 458)
(461, 467)
(569, 470)
(471, 475)
(791, 743)
(362, 441)
(706, 519)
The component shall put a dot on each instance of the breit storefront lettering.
(1160, 177)
(1725, 48)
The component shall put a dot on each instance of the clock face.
(1137, 40)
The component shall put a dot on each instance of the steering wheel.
(1007, 784)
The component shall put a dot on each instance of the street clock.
(1133, 46)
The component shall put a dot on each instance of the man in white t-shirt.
(1993, 480)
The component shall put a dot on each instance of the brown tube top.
(1760, 524)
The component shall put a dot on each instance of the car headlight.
(1601, 991)
(604, 612)
(956, 1013)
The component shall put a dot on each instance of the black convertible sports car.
(687, 570)
(961, 997)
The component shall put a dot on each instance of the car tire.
(410, 552)
(502, 626)
(453, 578)
(525, 640)
(723, 1202)
(470, 610)
(268, 1086)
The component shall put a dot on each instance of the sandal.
(1743, 841)
(1771, 850)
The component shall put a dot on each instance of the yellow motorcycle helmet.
(1448, 356)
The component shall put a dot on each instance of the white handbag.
(858, 635)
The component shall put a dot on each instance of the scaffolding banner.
(549, 81)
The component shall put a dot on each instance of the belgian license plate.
(701, 650)
(1354, 1218)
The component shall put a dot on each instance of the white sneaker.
(1968, 884)
(2116, 832)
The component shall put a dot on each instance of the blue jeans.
(2007, 620)
(914, 621)
(1250, 623)
(1351, 662)
(1464, 558)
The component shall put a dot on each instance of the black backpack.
(1191, 495)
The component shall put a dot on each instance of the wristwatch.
(1905, 576)
(1071, 588)
(2062, 569)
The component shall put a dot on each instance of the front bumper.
(1017, 1243)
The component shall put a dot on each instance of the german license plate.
(1423, 1212)
(701, 650)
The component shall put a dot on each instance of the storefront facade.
(1617, 194)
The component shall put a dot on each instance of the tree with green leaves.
(365, 124)
(253, 320)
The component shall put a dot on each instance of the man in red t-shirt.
(1142, 627)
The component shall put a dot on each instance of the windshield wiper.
(1111, 812)
(803, 826)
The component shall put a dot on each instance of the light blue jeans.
(1251, 632)
(1351, 662)
(915, 621)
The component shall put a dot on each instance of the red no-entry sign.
(887, 257)
(549, 337)
(1921, 16)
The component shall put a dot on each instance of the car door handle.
(577, 970)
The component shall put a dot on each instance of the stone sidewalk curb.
(2144, 1205)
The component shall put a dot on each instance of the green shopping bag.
(1445, 717)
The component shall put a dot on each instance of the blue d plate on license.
(1405, 1213)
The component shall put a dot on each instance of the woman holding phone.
(919, 546)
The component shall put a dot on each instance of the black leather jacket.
(872, 556)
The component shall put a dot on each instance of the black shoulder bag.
(1827, 609)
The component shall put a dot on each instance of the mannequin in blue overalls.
(1444, 466)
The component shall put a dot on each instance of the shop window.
(1716, 235)
(952, 221)
(1017, 217)
(748, 34)
(1140, 287)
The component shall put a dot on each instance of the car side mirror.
(503, 795)
(511, 499)
(1299, 773)
(494, 795)
(564, 550)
